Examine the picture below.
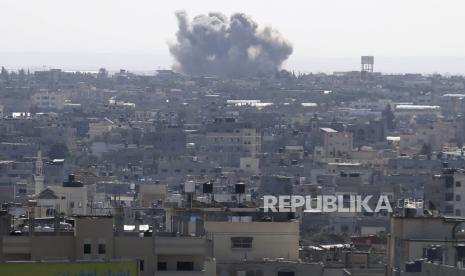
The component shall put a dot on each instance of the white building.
(48, 100)
(98, 129)
(66, 200)
(336, 145)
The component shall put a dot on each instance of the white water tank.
(189, 187)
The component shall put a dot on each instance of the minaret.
(39, 174)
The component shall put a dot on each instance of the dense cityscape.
(171, 170)
(232, 138)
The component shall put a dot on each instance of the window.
(458, 184)
(449, 181)
(457, 198)
(344, 228)
(141, 265)
(50, 212)
(87, 248)
(185, 266)
(241, 242)
(161, 266)
(449, 196)
(102, 249)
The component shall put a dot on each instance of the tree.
(427, 150)
(21, 74)
(4, 73)
(58, 151)
(389, 117)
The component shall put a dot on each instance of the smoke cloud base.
(233, 47)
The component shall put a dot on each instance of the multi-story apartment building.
(425, 245)
(335, 145)
(446, 192)
(228, 141)
(48, 100)
(95, 239)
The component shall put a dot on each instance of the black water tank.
(412, 267)
(240, 188)
(432, 254)
(208, 188)
(460, 251)
(410, 212)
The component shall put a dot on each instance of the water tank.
(434, 253)
(240, 188)
(207, 188)
(460, 251)
(410, 212)
(413, 267)
(189, 187)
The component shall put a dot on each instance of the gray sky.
(327, 34)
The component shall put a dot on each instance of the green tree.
(58, 151)
(389, 117)
(427, 150)
(4, 73)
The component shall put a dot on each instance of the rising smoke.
(215, 45)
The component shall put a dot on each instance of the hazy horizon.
(327, 35)
(143, 62)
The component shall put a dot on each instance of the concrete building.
(228, 141)
(94, 238)
(68, 199)
(336, 145)
(49, 100)
(98, 129)
(151, 193)
(415, 236)
(245, 243)
(446, 193)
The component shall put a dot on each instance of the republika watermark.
(327, 204)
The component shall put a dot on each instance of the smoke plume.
(215, 45)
